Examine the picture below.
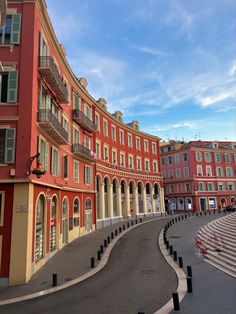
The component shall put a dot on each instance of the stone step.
(224, 268)
(221, 259)
(228, 237)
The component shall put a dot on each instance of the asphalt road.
(135, 279)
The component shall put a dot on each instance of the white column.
(162, 200)
(119, 203)
(127, 201)
(101, 200)
(136, 204)
(144, 200)
(153, 201)
(110, 199)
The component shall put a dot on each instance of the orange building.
(60, 150)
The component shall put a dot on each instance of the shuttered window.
(43, 148)
(10, 34)
(55, 162)
(87, 175)
(12, 86)
(7, 145)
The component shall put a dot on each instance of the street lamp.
(38, 170)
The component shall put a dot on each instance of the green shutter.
(58, 163)
(40, 44)
(68, 88)
(48, 102)
(15, 29)
(10, 146)
(52, 160)
(12, 86)
(46, 156)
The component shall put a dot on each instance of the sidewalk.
(69, 263)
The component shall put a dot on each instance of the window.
(198, 156)
(147, 165)
(55, 162)
(106, 153)
(98, 149)
(130, 144)
(114, 156)
(212, 202)
(235, 158)
(87, 175)
(88, 112)
(97, 121)
(199, 170)
(87, 141)
(230, 186)
(139, 167)
(66, 125)
(154, 148)
(113, 133)
(220, 186)
(7, 146)
(178, 173)
(122, 159)
(229, 172)
(163, 161)
(210, 186)
(105, 128)
(170, 160)
(43, 151)
(76, 212)
(187, 187)
(8, 86)
(121, 137)
(201, 186)
(208, 171)
(185, 156)
(10, 34)
(146, 146)
(207, 157)
(2, 202)
(138, 143)
(219, 171)
(218, 157)
(170, 174)
(65, 166)
(76, 171)
(172, 188)
(227, 158)
(186, 172)
(177, 159)
(130, 161)
(154, 166)
(75, 136)
(76, 101)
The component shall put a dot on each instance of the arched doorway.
(131, 197)
(148, 197)
(40, 228)
(115, 197)
(53, 224)
(88, 215)
(156, 196)
(172, 205)
(233, 201)
(123, 198)
(106, 196)
(65, 210)
(223, 202)
(140, 197)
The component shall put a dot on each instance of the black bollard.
(132, 222)
(105, 243)
(197, 214)
(108, 239)
(176, 301)
(189, 271)
(54, 279)
(116, 232)
(120, 229)
(189, 285)
(205, 213)
(175, 255)
(112, 235)
(200, 213)
(140, 219)
(186, 216)
(99, 255)
(179, 218)
(92, 262)
(127, 224)
(176, 219)
(101, 249)
(167, 245)
(171, 249)
(182, 217)
(136, 220)
(123, 227)
(180, 262)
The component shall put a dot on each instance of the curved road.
(135, 279)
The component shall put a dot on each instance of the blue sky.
(171, 64)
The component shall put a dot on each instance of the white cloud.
(232, 70)
(152, 51)
(213, 99)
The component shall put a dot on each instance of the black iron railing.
(83, 120)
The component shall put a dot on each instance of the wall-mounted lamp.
(38, 170)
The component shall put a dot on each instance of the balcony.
(49, 71)
(52, 126)
(79, 117)
(83, 152)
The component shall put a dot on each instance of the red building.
(53, 162)
(199, 175)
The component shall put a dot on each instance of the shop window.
(76, 209)
(53, 224)
(39, 233)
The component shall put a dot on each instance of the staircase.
(216, 241)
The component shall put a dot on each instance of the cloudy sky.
(171, 64)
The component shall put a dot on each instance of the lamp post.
(38, 170)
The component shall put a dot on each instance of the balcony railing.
(79, 117)
(49, 70)
(83, 152)
(52, 126)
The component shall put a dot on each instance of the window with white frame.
(105, 128)
(87, 175)
(2, 204)
(114, 156)
(208, 171)
(98, 149)
(230, 186)
(220, 186)
(138, 146)
(65, 166)
(76, 101)
(113, 133)
(122, 159)
(43, 148)
(55, 162)
(219, 171)
(177, 160)
(199, 170)
(210, 186)
(201, 186)
(154, 148)
(97, 121)
(121, 137)
(186, 172)
(229, 172)
(218, 157)
(130, 144)
(170, 173)
(75, 136)
(207, 156)
(187, 187)
(131, 162)
(146, 150)
(155, 167)
(178, 173)
(139, 165)
(76, 171)
(88, 112)
(185, 156)
(227, 158)
(198, 156)
(106, 153)
(87, 141)
(147, 165)
(10, 33)
(7, 145)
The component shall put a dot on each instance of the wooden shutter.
(12, 86)
(48, 102)
(52, 160)
(15, 29)
(58, 163)
(40, 44)
(68, 88)
(46, 155)
(10, 146)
